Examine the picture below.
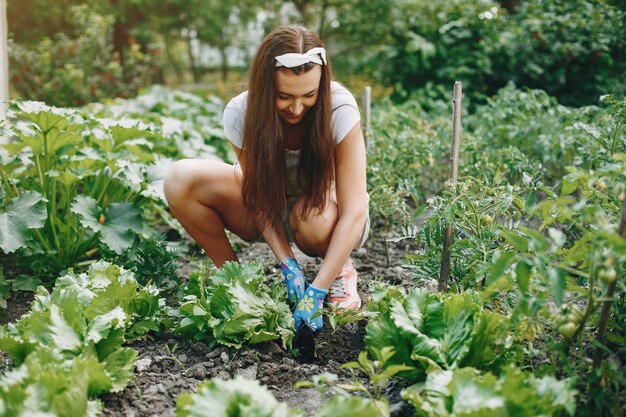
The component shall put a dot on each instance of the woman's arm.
(276, 238)
(350, 177)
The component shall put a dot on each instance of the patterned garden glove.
(294, 278)
(311, 303)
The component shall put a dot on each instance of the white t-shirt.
(345, 116)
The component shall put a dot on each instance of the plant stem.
(52, 213)
(614, 141)
(385, 236)
(104, 188)
(608, 295)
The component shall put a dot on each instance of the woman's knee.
(314, 229)
(177, 180)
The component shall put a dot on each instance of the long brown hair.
(265, 174)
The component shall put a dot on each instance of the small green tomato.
(486, 220)
(608, 275)
(567, 330)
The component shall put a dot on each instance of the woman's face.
(296, 94)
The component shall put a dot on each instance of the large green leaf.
(25, 212)
(117, 224)
(120, 366)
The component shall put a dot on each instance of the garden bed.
(168, 366)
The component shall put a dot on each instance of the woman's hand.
(294, 279)
(311, 303)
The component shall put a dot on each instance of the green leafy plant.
(377, 373)
(152, 261)
(233, 306)
(68, 348)
(465, 391)
(240, 396)
(71, 71)
(232, 398)
(443, 331)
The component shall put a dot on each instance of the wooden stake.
(367, 106)
(444, 273)
(4, 65)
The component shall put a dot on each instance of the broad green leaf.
(58, 139)
(475, 394)
(120, 365)
(121, 220)
(380, 333)
(49, 328)
(117, 224)
(27, 211)
(88, 211)
(500, 266)
(26, 283)
(102, 324)
(557, 282)
(113, 296)
(46, 120)
(568, 187)
(513, 238)
(522, 275)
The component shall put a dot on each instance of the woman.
(300, 174)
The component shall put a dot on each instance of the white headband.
(291, 60)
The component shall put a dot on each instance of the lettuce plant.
(467, 392)
(243, 397)
(441, 331)
(233, 306)
(68, 348)
(231, 398)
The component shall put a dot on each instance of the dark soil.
(167, 366)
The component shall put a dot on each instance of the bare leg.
(312, 233)
(206, 198)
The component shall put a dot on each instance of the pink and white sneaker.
(343, 290)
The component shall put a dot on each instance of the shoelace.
(338, 287)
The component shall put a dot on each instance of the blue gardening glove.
(311, 303)
(294, 279)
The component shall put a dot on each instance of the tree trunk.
(192, 61)
(120, 35)
(168, 52)
(225, 67)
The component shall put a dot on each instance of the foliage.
(435, 331)
(77, 181)
(233, 306)
(240, 396)
(153, 262)
(546, 255)
(191, 122)
(465, 391)
(553, 46)
(66, 187)
(68, 348)
(231, 398)
(72, 71)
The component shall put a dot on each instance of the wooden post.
(4, 65)
(367, 106)
(444, 273)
